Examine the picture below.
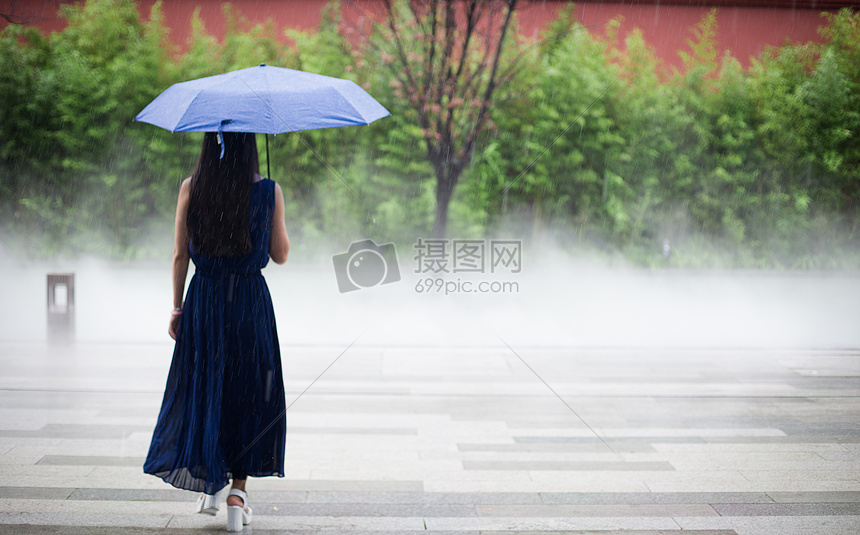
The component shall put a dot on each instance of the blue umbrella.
(265, 100)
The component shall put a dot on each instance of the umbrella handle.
(221, 136)
(268, 169)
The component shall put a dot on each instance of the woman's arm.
(279, 242)
(180, 253)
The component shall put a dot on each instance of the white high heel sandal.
(207, 504)
(238, 516)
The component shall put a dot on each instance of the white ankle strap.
(240, 493)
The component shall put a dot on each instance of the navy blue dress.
(223, 414)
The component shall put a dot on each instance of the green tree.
(446, 57)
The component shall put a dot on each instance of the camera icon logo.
(366, 264)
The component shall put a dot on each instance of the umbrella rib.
(330, 168)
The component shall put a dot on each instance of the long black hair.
(220, 194)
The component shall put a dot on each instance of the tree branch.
(488, 93)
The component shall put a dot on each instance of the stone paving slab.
(85, 519)
(82, 431)
(393, 510)
(792, 439)
(613, 442)
(777, 525)
(320, 523)
(173, 495)
(424, 497)
(553, 447)
(645, 498)
(839, 455)
(602, 510)
(561, 466)
(553, 524)
(37, 493)
(90, 460)
(786, 509)
(815, 497)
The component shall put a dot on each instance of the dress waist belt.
(224, 274)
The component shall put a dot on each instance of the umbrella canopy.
(265, 100)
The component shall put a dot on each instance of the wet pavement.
(467, 440)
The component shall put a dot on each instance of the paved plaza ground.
(465, 440)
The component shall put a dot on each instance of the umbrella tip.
(262, 64)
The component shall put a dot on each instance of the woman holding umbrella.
(223, 413)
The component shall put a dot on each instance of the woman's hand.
(174, 324)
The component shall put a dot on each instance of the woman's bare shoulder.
(185, 192)
(185, 188)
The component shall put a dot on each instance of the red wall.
(743, 30)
